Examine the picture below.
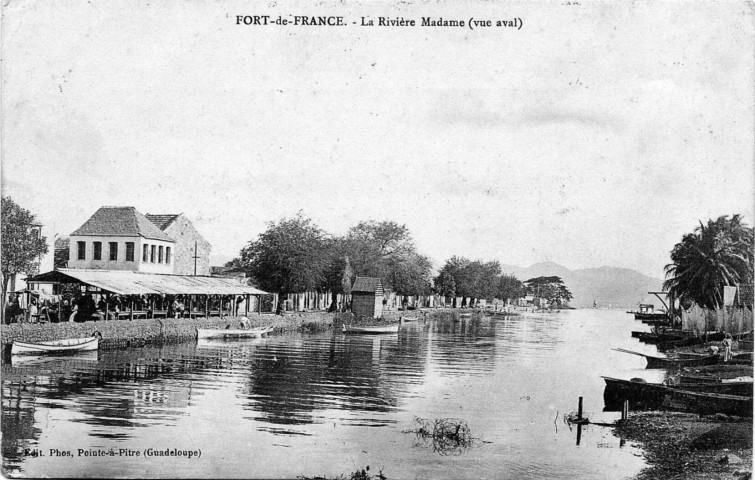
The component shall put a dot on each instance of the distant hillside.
(609, 286)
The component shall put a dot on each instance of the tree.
(551, 289)
(386, 250)
(474, 279)
(22, 244)
(288, 257)
(339, 276)
(445, 284)
(509, 288)
(712, 256)
(409, 275)
(455, 273)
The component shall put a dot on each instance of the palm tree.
(713, 256)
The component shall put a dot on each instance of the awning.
(127, 282)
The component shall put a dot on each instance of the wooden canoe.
(233, 332)
(708, 398)
(667, 362)
(56, 347)
(374, 329)
(709, 403)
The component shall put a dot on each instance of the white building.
(121, 238)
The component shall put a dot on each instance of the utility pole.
(195, 258)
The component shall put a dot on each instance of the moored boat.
(56, 347)
(372, 329)
(233, 332)
(668, 362)
(734, 398)
(409, 319)
(709, 403)
(647, 312)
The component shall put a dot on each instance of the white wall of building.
(152, 265)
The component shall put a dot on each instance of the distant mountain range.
(608, 286)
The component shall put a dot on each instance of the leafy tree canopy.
(288, 256)
(550, 288)
(714, 255)
(22, 244)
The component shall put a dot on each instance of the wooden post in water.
(579, 410)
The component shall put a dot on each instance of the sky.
(597, 134)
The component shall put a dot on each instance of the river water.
(329, 404)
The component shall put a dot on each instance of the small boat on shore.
(408, 319)
(709, 403)
(690, 341)
(668, 362)
(233, 332)
(56, 347)
(373, 329)
(733, 398)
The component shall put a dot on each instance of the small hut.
(367, 297)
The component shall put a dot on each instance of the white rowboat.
(70, 345)
(393, 328)
(233, 333)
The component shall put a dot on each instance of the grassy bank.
(687, 446)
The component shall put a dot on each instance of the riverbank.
(134, 333)
(140, 332)
(688, 446)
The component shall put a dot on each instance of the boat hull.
(233, 333)
(650, 316)
(377, 329)
(659, 362)
(56, 347)
(733, 398)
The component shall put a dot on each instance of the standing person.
(726, 344)
(32, 311)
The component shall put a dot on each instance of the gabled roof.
(162, 220)
(121, 222)
(367, 284)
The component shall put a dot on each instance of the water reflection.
(500, 374)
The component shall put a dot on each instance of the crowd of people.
(79, 307)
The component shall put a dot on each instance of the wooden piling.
(625, 410)
(579, 410)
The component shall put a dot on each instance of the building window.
(152, 254)
(113, 251)
(145, 253)
(129, 251)
(167, 255)
(82, 246)
(160, 254)
(97, 254)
